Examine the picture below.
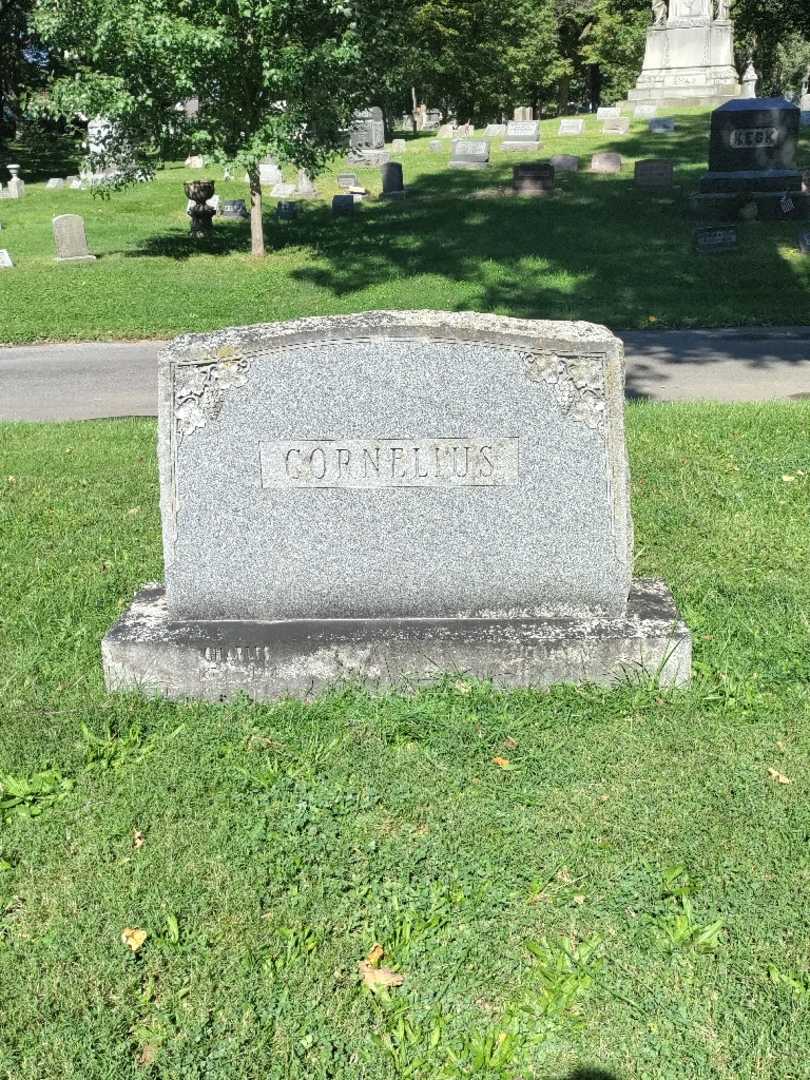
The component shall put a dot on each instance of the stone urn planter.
(200, 191)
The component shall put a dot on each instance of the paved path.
(85, 381)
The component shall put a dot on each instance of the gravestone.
(470, 154)
(645, 112)
(398, 146)
(346, 180)
(533, 178)
(571, 126)
(606, 162)
(804, 243)
(523, 114)
(608, 112)
(15, 187)
(287, 211)
(617, 125)
(495, 131)
(689, 56)
(393, 496)
(195, 161)
(436, 146)
(5, 260)
(72, 181)
(565, 162)
(269, 173)
(664, 125)
(55, 182)
(367, 138)
(343, 204)
(234, 209)
(709, 240)
(282, 190)
(656, 174)
(70, 239)
(305, 188)
(522, 135)
(446, 131)
(392, 185)
(752, 152)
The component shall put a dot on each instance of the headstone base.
(516, 145)
(146, 652)
(76, 258)
(771, 205)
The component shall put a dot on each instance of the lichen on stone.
(201, 384)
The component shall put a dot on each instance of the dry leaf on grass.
(462, 687)
(375, 955)
(780, 778)
(133, 938)
(378, 978)
(138, 839)
(510, 743)
(579, 899)
(501, 762)
(148, 1054)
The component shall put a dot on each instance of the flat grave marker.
(533, 178)
(712, 240)
(522, 135)
(6, 262)
(655, 174)
(608, 112)
(618, 125)
(606, 162)
(662, 125)
(565, 162)
(470, 154)
(571, 126)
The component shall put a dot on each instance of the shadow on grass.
(588, 1073)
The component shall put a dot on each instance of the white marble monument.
(689, 57)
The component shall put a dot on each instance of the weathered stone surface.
(655, 174)
(70, 239)
(392, 182)
(617, 125)
(55, 182)
(522, 135)
(533, 178)
(395, 464)
(470, 154)
(606, 162)
(495, 131)
(343, 204)
(608, 112)
(148, 652)
(565, 163)
(664, 125)
(571, 126)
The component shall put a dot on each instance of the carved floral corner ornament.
(201, 385)
(578, 384)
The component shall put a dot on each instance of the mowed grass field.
(598, 250)
(580, 884)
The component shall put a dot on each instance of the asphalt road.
(90, 380)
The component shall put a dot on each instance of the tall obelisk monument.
(689, 58)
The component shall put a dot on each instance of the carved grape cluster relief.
(578, 384)
(200, 388)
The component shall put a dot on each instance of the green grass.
(598, 250)
(629, 895)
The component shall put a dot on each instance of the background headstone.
(709, 240)
(287, 211)
(606, 162)
(5, 260)
(656, 174)
(392, 185)
(470, 154)
(495, 131)
(533, 178)
(523, 113)
(399, 146)
(343, 204)
(346, 180)
(70, 239)
(269, 173)
(522, 135)
(571, 126)
(55, 182)
(565, 162)
(195, 161)
(234, 209)
(616, 125)
(664, 125)
(608, 112)
(305, 188)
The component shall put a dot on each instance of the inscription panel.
(744, 138)
(389, 463)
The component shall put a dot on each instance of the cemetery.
(409, 696)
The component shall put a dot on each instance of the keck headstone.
(470, 154)
(565, 163)
(571, 126)
(522, 135)
(656, 174)
(606, 162)
(70, 239)
(533, 178)
(752, 152)
(393, 496)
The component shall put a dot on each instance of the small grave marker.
(234, 209)
(343, 205)
(522, 135)
(70, 239)
(710, 240)
(617, 125)
(286, 211)
(606, 162)
(608, 112)
(565, 162)
(5, 260)
(392, 184)
(533, 178)
(656, 174)
(470, 154)
(663, 125)
(571, 126)
(55, 182)
(346, 180)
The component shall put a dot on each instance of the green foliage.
(614, 42)
(29, 796)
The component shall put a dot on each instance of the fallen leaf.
(135, 510)
(375, 955)
(138, 839)
(377, 978)
(462, 687)
(780, 746)
(780, 778)
(148, 1054)
(579, 899)
(788, 479)
(133, 938)
(510, 743)
(563, 876)
(501, 762)
(603, 798)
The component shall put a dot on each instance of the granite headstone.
(392, 183)
(470, 154)
(711, 240)
(70, 239)
(606, 162)
(234, 209)
(565, 163)
(533, 178)
(662, 125)
(571, 126)
(393, 495)
(522, 135)
(655, 174)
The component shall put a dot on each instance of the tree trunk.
(256, 223)
(563, 93)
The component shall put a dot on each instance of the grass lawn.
(598, 250)
(622, 894)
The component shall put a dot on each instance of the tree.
(22, 62)
(274, 77)
(615, 43)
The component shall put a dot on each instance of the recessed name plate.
(744, 138)
(389, 463)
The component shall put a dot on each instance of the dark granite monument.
(752, 159)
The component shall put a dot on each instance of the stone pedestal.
(688, 61)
